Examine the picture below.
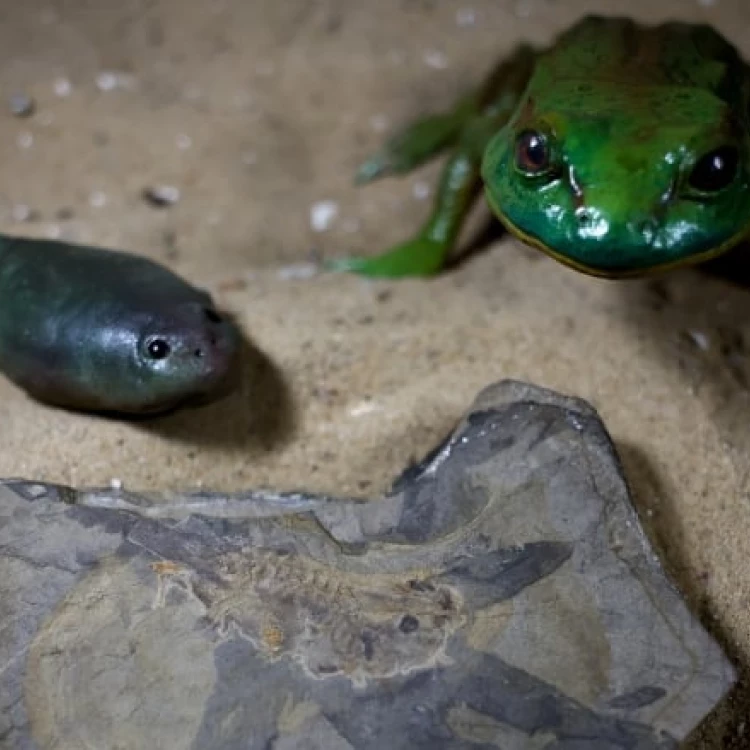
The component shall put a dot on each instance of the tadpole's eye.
(158, 349)
(715, 170)
(532, 152)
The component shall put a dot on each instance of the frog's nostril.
(584, 217)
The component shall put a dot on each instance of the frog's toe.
(414, 258)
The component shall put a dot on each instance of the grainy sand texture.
(255, 115)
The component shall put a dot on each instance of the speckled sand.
(257, 111)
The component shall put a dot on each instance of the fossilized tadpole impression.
(501, 595)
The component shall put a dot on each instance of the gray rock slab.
(501, 595)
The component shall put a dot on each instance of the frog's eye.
(714, 170)
(532, 152)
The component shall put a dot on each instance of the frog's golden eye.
(715, 170)
(532, 152)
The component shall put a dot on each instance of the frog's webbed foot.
(425, 254)
(415, 145)
(417, 257)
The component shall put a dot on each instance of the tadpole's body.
(103, 330)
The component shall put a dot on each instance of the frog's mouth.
(615, 273)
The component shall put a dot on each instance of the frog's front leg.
(467, 128)
(425, 254)
(417, 143)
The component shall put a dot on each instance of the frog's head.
(621, 181)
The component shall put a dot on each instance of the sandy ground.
(258, 110)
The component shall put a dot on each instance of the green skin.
(78, 325)
(627, 113)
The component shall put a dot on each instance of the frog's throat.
(603, 273)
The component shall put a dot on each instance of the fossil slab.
(502, 595)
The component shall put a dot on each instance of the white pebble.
(183, 141)
(62, 87)
(420, 190)
(249, 158)
(54, 232)
(162, 195)
(379, 123)
(436, 59)
(25, 139)
(107, 81)
(700, 339)
(363, 408)
(21, 212)
(97, 199)
(322, 215)
(115, 483)
(466, 16)
(297, 271)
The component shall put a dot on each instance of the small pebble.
(62, 87)
(161, 196)
(21, 105)
(466, 17)
(249, 158)
(421, 190)
(379, 123)
(436, 59)
(115, 483)
(297, 271)
(54, 232)
(183, 141)
(700, 339)
(25, 139)
(107, 81)
(97, 199)
(21, 212)
(322, 215)
(363, 408)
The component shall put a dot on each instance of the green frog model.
(621, 150)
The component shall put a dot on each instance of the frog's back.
(620, 51)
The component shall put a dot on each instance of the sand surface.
(257, 111)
